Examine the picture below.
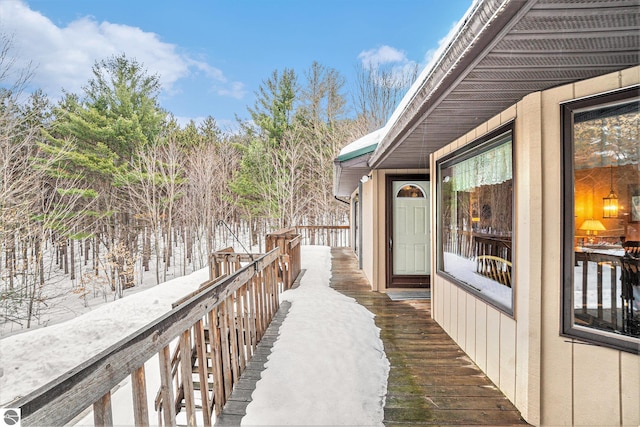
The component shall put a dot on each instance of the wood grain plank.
(102, 415)
(139, 391)
(187, 378)
(166, 387)
(203, 371)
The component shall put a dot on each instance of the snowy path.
(328, 366)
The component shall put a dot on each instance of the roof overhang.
(502, 51)
(352, 163)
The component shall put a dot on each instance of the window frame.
(568, 328)
(480, 145)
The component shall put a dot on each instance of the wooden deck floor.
(431, 380)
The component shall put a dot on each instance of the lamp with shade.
(592, 226)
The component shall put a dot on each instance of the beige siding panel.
(630, 398)
(628, 77)
(508, 344)
(555, 363)
(597, 85)
(439, 299)
(462, 319)
(528, 250)
(446, 306)
(379, 230)
(493, 344)
(481, 335)
(453, 308)
(435, 297)
(368, 230)
(470, 338)
(596, 386)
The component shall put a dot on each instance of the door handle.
(390, 245)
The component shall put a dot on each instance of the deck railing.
(289, 243)
(336, 236)
(599, 275)
(218, 327)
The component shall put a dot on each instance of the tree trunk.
(146, 249)
(65, 255)
(9, 258)
(72, 268)
(96, 254)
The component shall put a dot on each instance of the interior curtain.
(489, 168)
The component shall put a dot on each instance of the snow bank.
(328, 366)
(32, 359)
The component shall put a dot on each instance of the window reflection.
(477, 219)
(411, 190)
(606, 158)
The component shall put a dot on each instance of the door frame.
(397, 280)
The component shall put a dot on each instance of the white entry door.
(409, 240)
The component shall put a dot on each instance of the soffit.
(506, 50)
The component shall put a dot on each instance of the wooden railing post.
(216, 361)
(203, 372)
(139, 390)
(166, 387)
(226, 357)
(187, 377)
(102, 415)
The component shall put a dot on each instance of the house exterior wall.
(373, 251)
(552, 380)
(380, 244)
(367, 227)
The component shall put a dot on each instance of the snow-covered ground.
(31, 359)
(327, 367)
(464, 269)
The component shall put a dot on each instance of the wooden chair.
(632, 248)
(630, 278)
(495, 268)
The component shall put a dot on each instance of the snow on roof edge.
(368, 140)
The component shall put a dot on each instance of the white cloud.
(234, 90)
(63, 56)
(389, 66)
(374, 58)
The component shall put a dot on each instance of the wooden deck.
(431, 380)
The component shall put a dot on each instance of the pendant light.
(610, 203)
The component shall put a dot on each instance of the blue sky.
(213, 55)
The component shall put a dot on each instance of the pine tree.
(117, 116)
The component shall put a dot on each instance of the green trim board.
(357, 153)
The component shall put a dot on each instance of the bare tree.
(378, 91)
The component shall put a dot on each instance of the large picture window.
(601, 262)
(475, 214)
